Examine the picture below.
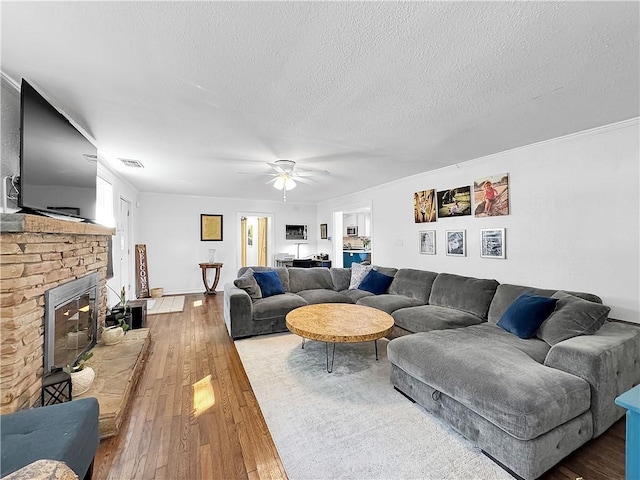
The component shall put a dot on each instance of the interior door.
(124, 245)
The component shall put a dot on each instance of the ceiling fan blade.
(258, 174)
(273, 180)
(308, 181)
(310, 173)
(277, 168)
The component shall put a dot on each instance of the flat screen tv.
(58, 165)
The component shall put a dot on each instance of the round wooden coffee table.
(339, 323)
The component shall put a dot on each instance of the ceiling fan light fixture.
(289, 184)
(284, 182)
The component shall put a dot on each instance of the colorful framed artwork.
(455, 202)
(491, 195)
(210, 228)
(323, 231)
(427, 242)
(424, 206)
(492, 243)
(456, 242)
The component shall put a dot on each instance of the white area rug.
(351, 424)
(165, 305)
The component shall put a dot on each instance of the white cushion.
(358, 272)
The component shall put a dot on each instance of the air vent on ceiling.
(132, 163)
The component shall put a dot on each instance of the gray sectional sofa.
(527, 403)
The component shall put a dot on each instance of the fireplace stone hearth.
(37, 254)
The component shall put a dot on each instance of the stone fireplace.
(37, 254)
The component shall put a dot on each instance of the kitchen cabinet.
(361, 220)
(355, 256)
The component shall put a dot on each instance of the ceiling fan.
(285, 175)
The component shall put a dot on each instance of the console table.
(210, 290)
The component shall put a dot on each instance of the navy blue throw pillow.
(269, 283)
(375, 282)
(525, 315)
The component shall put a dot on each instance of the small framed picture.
(492, 243)
(210, 228)
(323, 231)
(427, 242)
(456, 241)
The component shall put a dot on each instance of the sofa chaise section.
(525, 402)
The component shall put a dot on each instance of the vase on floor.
(81, 381)
(112, 335)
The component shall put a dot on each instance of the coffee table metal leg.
(333, 354)
(303, 343)
(375, 342)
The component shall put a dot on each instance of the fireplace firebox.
(71, 322)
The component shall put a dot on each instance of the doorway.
(123, 243)
(256, 239)
(353, 235)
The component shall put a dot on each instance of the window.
(104, 203)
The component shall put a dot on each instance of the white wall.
(573, 225)
(169, 225)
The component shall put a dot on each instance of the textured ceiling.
(369, 91)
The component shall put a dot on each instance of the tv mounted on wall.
(58, 165)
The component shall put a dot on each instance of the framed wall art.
(323, 231)
(210, 228)
(491, 195)
(295, 232)
(455, 202)
(492, 243)
(456, 242)
(427, 242)
(424, 206)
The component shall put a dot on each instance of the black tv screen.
(58, 165)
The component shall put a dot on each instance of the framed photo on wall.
(210, 228)
(323, 231)
(491, 195)
(456, 242)
(295, 232)
(455, 202)
(427, 242)
(492, 243)
(424, 206)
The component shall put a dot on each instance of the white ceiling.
(370, 91)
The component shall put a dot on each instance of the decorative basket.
(81, 381)
(156, 292)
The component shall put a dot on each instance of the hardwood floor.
(194, 415)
